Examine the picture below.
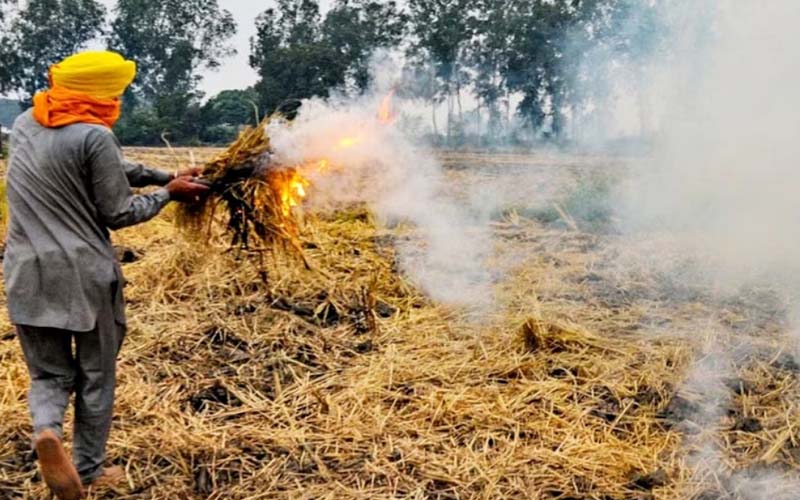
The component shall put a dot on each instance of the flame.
(292, 191)
(348, 142)
(385, 114)
(291, 184)
(300, 189)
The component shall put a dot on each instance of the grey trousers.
(56, 371)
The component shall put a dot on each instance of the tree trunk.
(433, 118)
(508, 110)
(478, 121)
(449, 115)
(460, 109)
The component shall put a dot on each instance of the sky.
(235, 72)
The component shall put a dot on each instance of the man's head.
(100, 74)
(84, 88)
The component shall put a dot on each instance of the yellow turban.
(100, 74)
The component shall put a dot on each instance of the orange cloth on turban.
(59, 107)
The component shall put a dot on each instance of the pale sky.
(235, 73)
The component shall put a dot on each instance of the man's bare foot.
(111, 477)
(57, 469)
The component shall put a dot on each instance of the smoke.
(628, 76)
(360, 158)
(713, 204)
(723, 178)
(720, 187)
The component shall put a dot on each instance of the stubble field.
(247, 377)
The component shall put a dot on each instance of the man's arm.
(140, 176)
(116, 204)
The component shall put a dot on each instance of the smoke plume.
(363, 158)
(720, 186)
(722, 180)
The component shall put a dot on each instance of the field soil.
(591, 374)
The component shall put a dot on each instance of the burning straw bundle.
(257, 195)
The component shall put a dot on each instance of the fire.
(300, 188)
(348, 142)
(291, 184)
(385, 114)
(292, 190)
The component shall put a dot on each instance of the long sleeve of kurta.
(141, 176)
(116, 204)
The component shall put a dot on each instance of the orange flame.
(348, 142)
(385, 114)
(292, 185)
(293, 190)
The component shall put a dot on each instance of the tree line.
(536, 63)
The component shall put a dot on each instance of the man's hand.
(183, 189)
(187, 172)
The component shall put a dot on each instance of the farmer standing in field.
(67, 186)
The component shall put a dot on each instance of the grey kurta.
(66, 188)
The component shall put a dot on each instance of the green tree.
(171, 41)
(41, 35)
(561, 53)
(139, 126)
(234, 107)
(5, 75)
(290, 55)
(298, 54)
(5, 42)
(441, 31)
(488, 57)
(357, 28)
(418, 80)
(629, 35)
(534, 70)
(224, 114)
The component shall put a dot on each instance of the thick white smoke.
(724, 176)
(721, 185)
(370, 160)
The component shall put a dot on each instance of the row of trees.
(549, 60)
(536, 62)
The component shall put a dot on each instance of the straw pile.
(257, 196)
(354, 385)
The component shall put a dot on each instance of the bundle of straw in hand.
(256, 194)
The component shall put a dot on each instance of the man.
(67, 185)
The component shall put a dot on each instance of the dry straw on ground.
(352, 384)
